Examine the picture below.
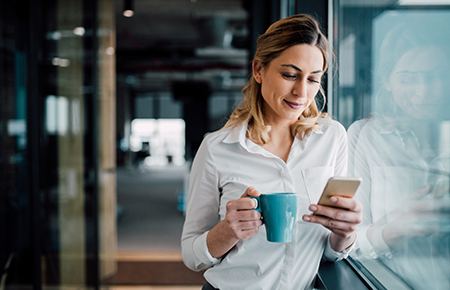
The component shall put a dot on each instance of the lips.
(293, 105)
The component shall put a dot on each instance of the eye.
(313, 80)
(407, 79)
(289, 76)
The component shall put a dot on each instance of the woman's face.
(290, 82)
(418, 83)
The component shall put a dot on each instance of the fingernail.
(312, 208)
(333, 199)
(306, 218)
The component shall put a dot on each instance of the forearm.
(220, 240)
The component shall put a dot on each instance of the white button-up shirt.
(226, 164)
(393, 165)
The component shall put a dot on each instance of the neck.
(280, 141)
(280, 134)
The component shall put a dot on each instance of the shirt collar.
(386, 128)
(238, 134)
(299, 145)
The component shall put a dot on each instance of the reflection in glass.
(402, 152)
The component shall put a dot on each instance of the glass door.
(57, 178)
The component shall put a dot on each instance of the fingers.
(242, 219)
(420, 192)
(243, 223)
(347, 203)
(337, 214)
(251, 191)
(441, 191)
(341, 227)
(247, 203)
(243, 215)
(244, 203)
(243, 234)
(429, 206)
(342, 219)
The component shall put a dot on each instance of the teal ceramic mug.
(279, 211)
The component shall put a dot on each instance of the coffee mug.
(279, 211)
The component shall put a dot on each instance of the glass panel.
(65, 145)
(51, 173)
(15, 224)
(394, 68)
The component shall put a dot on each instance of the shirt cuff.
(332, 255)
(379, 244)
(201, 251)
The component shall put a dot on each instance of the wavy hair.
(281, 35)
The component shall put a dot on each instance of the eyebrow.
(404, 72)
(437, 69)
(298, 69)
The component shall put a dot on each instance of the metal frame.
(33, 132)
(91, 157)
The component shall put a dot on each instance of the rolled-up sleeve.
(331, 255)
(202, 210)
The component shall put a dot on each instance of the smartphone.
(340, 186)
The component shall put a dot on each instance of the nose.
(421, 87)
(425, 90)
(300, 88)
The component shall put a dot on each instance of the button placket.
(290, 248)
(285, 175)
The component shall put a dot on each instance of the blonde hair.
(281, 35)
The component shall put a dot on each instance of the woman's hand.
(341, 220)
(423, 213)
(241, 222)
(241, 218)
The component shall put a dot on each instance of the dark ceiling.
(182, 40)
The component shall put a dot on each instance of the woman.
(277, 140)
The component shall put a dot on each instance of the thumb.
(251, 191)
(420, 192)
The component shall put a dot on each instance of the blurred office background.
(101, 115)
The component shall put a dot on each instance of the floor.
(149, 230)
(150, 221)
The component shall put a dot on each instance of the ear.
(257, 70)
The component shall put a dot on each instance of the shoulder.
(373, 127)
(329, 126)
(215, 140)
(217, 136)
(214, 144)
(356, 127)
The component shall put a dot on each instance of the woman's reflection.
(402, 153)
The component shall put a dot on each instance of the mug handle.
(258, 202)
